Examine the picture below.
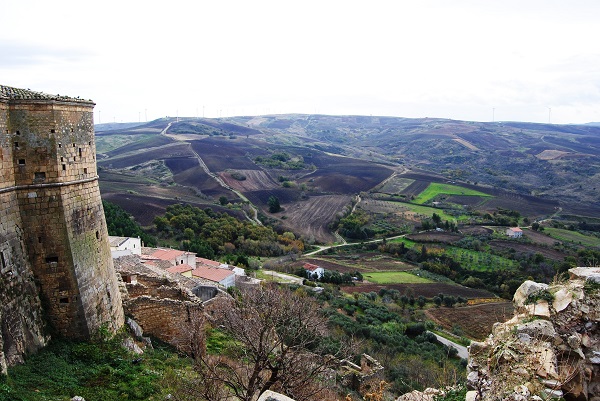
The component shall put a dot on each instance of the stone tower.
(54, 248)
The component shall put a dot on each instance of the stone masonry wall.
(54, 248)
(21, 322)
(167, 319)
(59, 200)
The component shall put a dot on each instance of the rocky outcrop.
(549, 349)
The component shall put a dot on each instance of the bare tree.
(276, 344)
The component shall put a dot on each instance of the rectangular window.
(2, 260)
(64, 166)
(53, 131)
(80, 153)
(85, 170)
(17, 145)
(64, 300)
(40, 176)
(21, 162)
(52, 259)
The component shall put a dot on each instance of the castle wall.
(55, 261)
(59, 201)
(21, 320)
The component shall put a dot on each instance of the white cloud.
(456, 59)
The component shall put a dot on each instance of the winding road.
(220, 181)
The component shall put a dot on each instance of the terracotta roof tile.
(213, 274)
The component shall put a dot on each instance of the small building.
(314, 269)
(123, 246)
(514, 232)
(211, 263)
(173, 256)
(183, 269)
(224, 277)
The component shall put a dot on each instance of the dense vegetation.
(99, 370)
(121, 224)
(395, 336)
(211, 234)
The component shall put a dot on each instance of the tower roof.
(10, 93)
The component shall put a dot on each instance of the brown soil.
(255, 180)
(311, 217)
(476, 321)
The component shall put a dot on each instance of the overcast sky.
(522, 60)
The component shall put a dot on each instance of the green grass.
(434, 189)
(479, 261)
(572, 236)
(106, 143)
(395, 278)
(97, 371)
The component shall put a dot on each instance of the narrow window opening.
(80, 152)
(62, 159)
(52, 259)
(39, 240)
(53, 131)
(74, 158)
(39, 176)
(72, 130)
(64, 300)
(17, 145)
(90, 143)
(21, 162)
(64, 166)
(85, 171)
(60, 145)
(73, 145)
(97, 234)
(18, 132)
(2, 260)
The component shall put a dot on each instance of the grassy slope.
(395, 278)
(436, 188)
(572, 236)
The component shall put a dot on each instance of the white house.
(314, 269)
(123, 246)
(514, 232)
(174, 256)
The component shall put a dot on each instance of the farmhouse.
(123, 246)
(314, 269)
(514, 232)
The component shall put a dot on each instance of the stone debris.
(548, 350)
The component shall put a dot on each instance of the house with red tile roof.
(211, 263)
(514, 232)
(224, 277)
(314, 269)
(174, 256)
(183, 269)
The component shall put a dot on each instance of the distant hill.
(316, 164)
(114, 126)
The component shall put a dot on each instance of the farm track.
(220, 181)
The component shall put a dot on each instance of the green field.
(479, 261)
(572, 236)
(435, 188)
(395, 278)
